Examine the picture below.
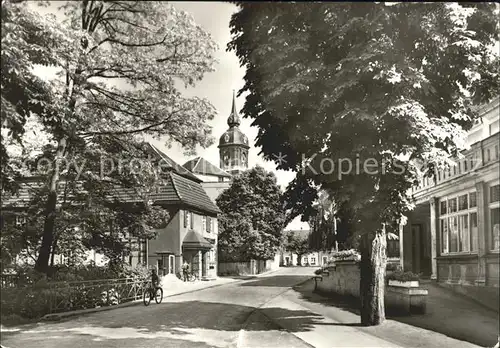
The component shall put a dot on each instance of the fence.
(56, 297)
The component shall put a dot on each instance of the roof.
(191, 194)
(176, 189)
(195, 241)
(199, 165)
(169, 164)
(233, 119)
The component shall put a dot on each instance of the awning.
(194, 241)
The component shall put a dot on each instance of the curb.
(59, 316)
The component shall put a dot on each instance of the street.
(262, 311)
(224, 316)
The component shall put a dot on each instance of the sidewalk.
(331, 326)
(456, 316)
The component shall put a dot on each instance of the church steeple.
(234, 119)
(233, 144)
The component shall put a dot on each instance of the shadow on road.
(278, 281)
(177, 319)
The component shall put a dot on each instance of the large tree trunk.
(372, 283)
(42, 262)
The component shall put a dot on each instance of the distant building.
(311, 258)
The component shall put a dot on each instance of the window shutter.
(209, 224)
(192, 220)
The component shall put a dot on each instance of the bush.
(347, 255)
(403, 276)
(393, 267)
(36, 294)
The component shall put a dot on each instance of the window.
(458, 223)
(209, 224)
(191, 220)
(494, 206)
(204, 223)
(313, 260)
(186, 218)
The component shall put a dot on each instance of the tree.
(297, 244)
(252, 217)
(360, 100)
(118, 63)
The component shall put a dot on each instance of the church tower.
(233, 145)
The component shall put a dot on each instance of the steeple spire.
(234, 119)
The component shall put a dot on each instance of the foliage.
(297, 243)
(344, 255)
(117, 66)
(401, 276)
(362, 100)
(391, 267)
(252, 217)
(34, 293)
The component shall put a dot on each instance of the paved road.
(225, 316)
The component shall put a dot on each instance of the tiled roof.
(170, 164)
(192, 194)
(199, 165)
(180, 187)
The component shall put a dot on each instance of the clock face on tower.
(226, 138)
(245, 140)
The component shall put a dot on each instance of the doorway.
(171, 264)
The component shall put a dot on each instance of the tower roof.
(233, 136)
(234, 119)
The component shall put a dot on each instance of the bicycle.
(151, 292)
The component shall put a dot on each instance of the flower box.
(404, 284)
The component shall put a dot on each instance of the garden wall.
(250, 267)
(342, 279)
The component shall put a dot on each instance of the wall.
(168, 239)
(214, 189)
(342, 279)
(251, 267)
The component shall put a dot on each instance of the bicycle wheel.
(159, 295)
(146, 297)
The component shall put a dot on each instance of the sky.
(218, 88)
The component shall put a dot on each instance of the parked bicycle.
(150, 292)
(191, 276)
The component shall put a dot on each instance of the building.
(189, 235)
(233, 158)
(310, 258)
(214, 179)
(452, 236)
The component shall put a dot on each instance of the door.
(159, 266)
(171, 264)
(416, 236)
